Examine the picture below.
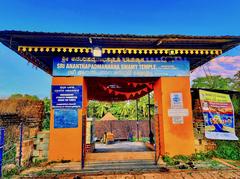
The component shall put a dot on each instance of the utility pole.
(137, 120)
(20, 144)
(149, 120)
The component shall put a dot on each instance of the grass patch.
(12, 172)
(227, 150)
(43, 172)
(141, 139)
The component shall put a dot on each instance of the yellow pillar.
(173, 139)
(66, 143)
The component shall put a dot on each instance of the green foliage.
(121, 110)
(46, 120)
(202, 156)
(168, 160)
(144, 139)
(213, 82)
(184, 158)
(9, 156)
(10, 173)
(181, 157)
(225, 149)
(214, 164)
(141, 139)
(44, 172)
(221, 83)
(23, 96)
(38, 162)
(236, 104)
(236, 81)
(228, 150)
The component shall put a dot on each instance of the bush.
(181, 157)
(46, 124)
(202, 156)
(228, 150)
(168, 160)
(46, 121)
(10, 173)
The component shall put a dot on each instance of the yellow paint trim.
(121, 50)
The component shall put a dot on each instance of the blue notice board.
(120, 67)
(65, 118)
(66, 96)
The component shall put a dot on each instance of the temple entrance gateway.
(109, 67)
(175, 96)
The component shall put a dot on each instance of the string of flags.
(146, 88)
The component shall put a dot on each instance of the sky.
(187, 17)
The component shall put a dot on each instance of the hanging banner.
(218, 115)
(66, 96)
(120, 67)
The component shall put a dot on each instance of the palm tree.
(121, 110)
(102, 109)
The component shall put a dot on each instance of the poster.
(65, 118)
(120, 67)
(66, 96)
(218, 115)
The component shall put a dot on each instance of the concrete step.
(122, 162)
(114, 168)
(122, 166)
(111, 167)
(119, 156)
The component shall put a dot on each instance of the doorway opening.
(122, 126)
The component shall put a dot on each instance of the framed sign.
(120, 67)
(176, 100)
(66, 96)
(177, 112)
(65, 118)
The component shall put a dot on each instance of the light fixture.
(90, 40)
(171, 52)
(97, 52)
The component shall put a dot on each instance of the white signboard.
(176, 100)
(177, 120)
(177, 112)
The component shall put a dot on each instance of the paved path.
(220, 174)
(121, 147)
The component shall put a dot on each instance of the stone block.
(42, 147)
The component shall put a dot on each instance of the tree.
(46, 120)
(25, 96)
(121, 110)
(221, 83)
(102, 109)
(213, 82)
(236, 81)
